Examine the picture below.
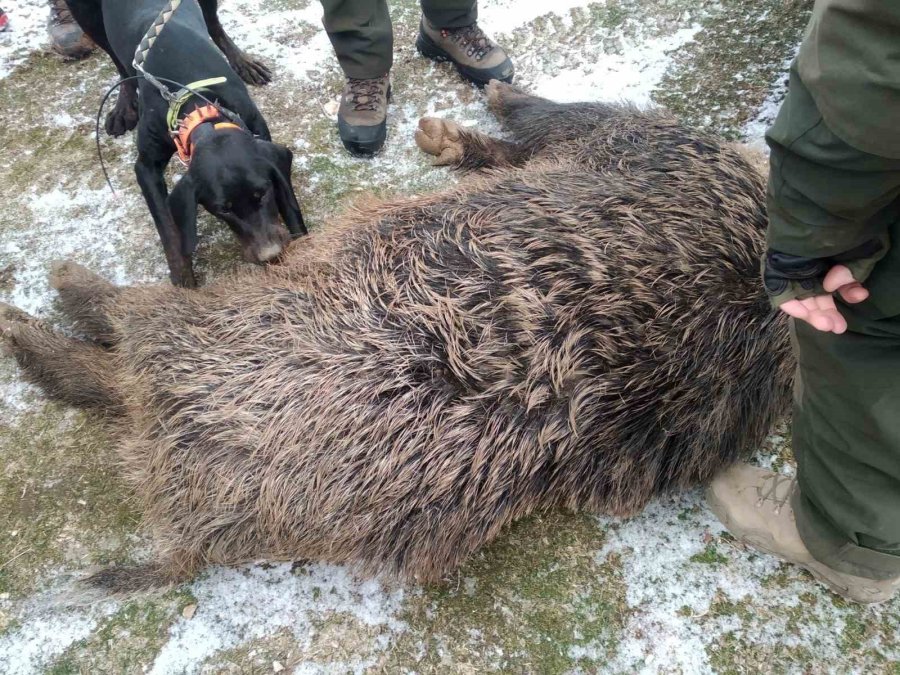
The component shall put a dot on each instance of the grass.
(61, 499)
(537, 600)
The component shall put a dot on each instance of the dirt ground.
(667, 591)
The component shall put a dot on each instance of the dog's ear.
(280, 159)
(183, 207)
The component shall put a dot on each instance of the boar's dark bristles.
(580, 326)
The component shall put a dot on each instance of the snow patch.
(754, 131)
(26, 33)
(630, 75)
(65, 224)
(673, 623)
(507, 15)
(274, 35)
(663, 584)
(49, 623)
(239, 604)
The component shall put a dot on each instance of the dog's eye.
(227, 206)
(257, 195)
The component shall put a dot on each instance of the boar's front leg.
(466, 150)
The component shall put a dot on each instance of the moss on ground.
(803, 634)
(719, 80)
(257, 656)
(54, 105)
(128, 640)
(61, 499)
(710, 556)
(536, 601)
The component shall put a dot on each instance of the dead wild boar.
(579, 324)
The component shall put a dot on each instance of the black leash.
(225, 112)
(97, 128)
(140, 55)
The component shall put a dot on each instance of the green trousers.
(362, 37)
(847, 443)
(834, 183)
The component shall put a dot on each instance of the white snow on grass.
(667, 590)
(629, 75)
(276, 36)
(507, 15)
(755, 130)
(674, 623)
(235, 605)
(48, 624)
(27, 32)
(84, 225)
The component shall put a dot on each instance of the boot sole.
(765, 543)
(430, 50)
(366, 148)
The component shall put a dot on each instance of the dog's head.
(243, 181)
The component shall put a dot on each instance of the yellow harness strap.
(184, 94)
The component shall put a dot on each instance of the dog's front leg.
(153, 186)
(251, 70)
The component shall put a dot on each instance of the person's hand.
(820, 311)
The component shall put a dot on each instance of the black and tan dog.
(235, 171)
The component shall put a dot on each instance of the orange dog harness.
(187, 125)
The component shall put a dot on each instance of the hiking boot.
(477, 58)
(362, 117)
(4, 20)
(755, 505)
(66, 37)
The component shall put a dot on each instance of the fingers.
(840, 279)
(837, 276)
(853, 293)
(819, 312)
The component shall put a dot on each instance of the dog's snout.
(269, 252)
(266, 244)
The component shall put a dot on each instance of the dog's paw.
(252, 70)
(183, 276)
(440, 138)
(123, 118)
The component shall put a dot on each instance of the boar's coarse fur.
(578, 325)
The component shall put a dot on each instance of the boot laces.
(472, 39)
(365, 94)
(771, 490)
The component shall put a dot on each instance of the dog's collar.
(187, 126)
(183, 94)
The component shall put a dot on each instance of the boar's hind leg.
(465, 150)
(83, 297)
(68, 370)
(537, 123)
